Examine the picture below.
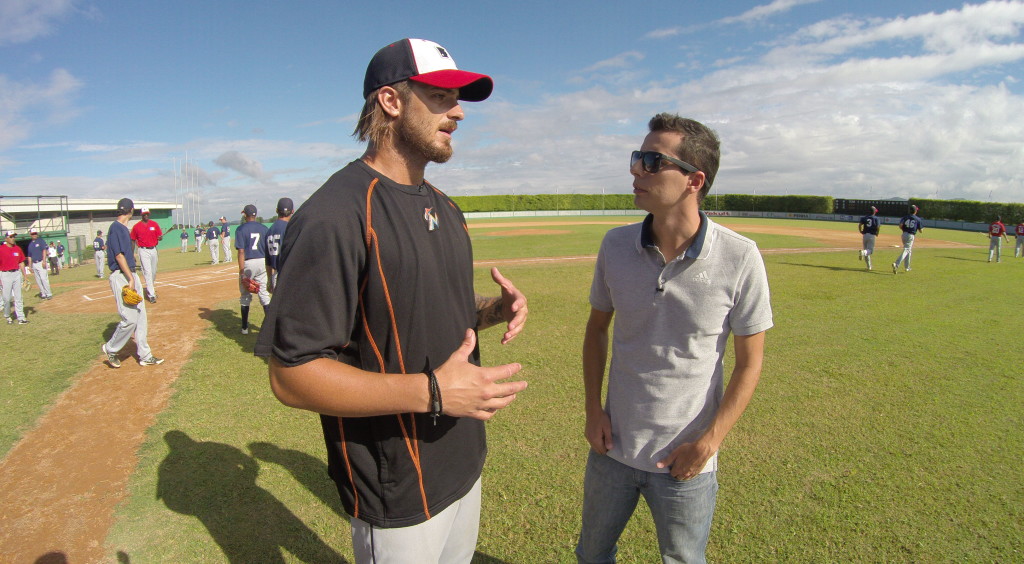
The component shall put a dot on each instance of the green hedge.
(557, 202)
(970, 211)
(953, 210)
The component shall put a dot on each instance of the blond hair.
(375, 125)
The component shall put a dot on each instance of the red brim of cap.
(473, 87)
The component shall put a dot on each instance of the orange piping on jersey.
(348, 466)
(372, 243)
(380, 362)
(371, 236)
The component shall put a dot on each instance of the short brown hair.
(699, 147)
(374, 126)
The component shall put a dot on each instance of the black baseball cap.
(249, 210)
(125, 205)
(285, 205)
(426, 62)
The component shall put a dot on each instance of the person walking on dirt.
(121, 262)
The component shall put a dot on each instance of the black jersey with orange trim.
(379, 275)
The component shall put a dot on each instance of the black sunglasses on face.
(651, 161)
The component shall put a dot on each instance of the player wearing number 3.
(251, 242)
(869, 229)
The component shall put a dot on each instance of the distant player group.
(257, 250)
(911, 225)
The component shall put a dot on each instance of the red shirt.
(11, 257)
(996, 228)
(146, 233)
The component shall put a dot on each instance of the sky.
(868, 99)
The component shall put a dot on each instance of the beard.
(418, 136)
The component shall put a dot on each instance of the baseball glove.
(129, 296)
(251, 285)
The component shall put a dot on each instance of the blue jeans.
(682, 510)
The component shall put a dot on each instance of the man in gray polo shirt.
(679, 284)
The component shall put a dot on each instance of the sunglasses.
(651, 161)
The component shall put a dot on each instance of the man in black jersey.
(373, 322)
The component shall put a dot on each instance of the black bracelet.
(435, 395)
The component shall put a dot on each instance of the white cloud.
(766, 11)
(24, 20)
(618, 61)
(664, 32)
(24, 106)
(240, 163)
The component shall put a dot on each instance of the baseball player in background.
(251, 242)
(38, 254)
(275, 235)
(198, 233)
(996, 234)
(869, 230)
(147, 234)
(99, 254)
(11, 257)
(184, 240)
(1018, 250)
(60, 256)
(121, 262)
(213, 240)
(225, 236)
(910, 224)
(51, 254)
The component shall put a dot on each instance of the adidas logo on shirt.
(702, 277)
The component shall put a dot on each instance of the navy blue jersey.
(274, 237)
(870, 223)
(37, 249)
(212, 233)
(119, 242)
(198, 233)
(97, 244)
(252, 236)
(911, 224)
(184, 235)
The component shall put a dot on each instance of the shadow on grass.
(877, 270)
(980, 258)
(307, 470)
(216, 483)
(481, 558)
(228, 322)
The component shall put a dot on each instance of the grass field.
(887, 425)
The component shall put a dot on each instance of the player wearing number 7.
(251, 242)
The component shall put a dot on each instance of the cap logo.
(442, 52)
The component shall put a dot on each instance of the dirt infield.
(64, 479)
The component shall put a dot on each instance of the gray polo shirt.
(672, 323)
